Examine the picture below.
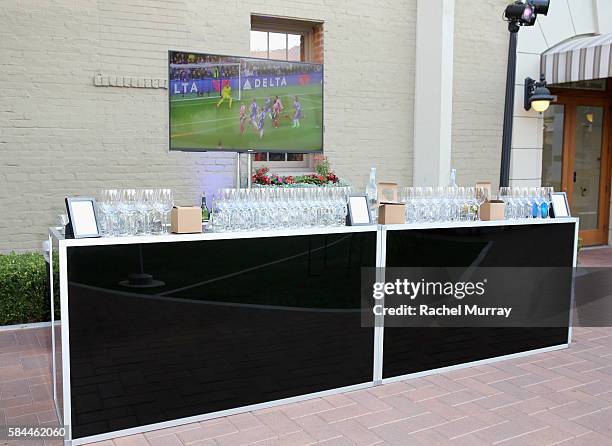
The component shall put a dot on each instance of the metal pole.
(237, 170)
(504, 174)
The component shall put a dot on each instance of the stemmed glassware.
(144, 206)
(546, 197)
(442, 204)
(127, 209)
(128, 212)
(526, 202)
(280, 208)
(108, 204)
(163, 203)
(480, 198)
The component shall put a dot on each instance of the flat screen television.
(240, 104)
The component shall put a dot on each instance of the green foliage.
(24, 295)
(323, 167)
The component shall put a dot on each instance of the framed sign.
(358, 211)
(559, 204)
(82, 218)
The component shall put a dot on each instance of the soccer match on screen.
(239, 104)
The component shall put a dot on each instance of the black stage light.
(517, 14)
(525, 12)
(540, 6)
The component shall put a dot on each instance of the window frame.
(303, 28)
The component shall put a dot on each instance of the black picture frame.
(560, 208)
(78, 209)
(355, 216)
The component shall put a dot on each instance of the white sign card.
(559, 204)
(359, 211)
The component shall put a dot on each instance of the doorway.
(576, 156)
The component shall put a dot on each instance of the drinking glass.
(538, 199)
(505, 195)
(108, 203)
(163, 202)
(546, 196)
(144, 207)
(480, 197)
(127, 209)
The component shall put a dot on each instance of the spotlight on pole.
(517, 14)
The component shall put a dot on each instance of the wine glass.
(538, 199)
(144, 206)
(127, 208)
(546, 196)
(168, 204)
(108, 202)
(505, 195)
(481, 197)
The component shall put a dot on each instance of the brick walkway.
(545, 399)
(562, 397)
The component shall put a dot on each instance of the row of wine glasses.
(128, 212)
(526, 202)
(278, 208)
(441, 204)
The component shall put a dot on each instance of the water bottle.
(453, 178)
(372, 192)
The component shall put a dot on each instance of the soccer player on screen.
(260, 123)
(253, 112)
(268, 107)
(275, 115)
(297, 114)
(226, 93)
(279, 104)
(242, 118)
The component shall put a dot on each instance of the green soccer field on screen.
(239, 104)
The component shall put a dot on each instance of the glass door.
(576, 158)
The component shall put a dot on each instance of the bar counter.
(240, 321)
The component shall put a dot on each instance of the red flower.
(331, 177)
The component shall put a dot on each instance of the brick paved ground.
(598, 256)
(561, 397)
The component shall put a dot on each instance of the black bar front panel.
(412, 350)
(238, 322)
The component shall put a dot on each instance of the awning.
(579, 59)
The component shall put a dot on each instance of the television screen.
(226, 103)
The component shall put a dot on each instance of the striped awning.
(579, 59)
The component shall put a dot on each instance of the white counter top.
(478, 224)
(56, 236)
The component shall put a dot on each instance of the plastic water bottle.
(372, 191)
(453, 178)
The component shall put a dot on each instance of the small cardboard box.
(186, 219)
(392, 213)
(492, 210)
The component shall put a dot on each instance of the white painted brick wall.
(60, 135)
(480, 57)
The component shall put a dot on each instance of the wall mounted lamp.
(537, 95)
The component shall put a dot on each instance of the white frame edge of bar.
(378, 347)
